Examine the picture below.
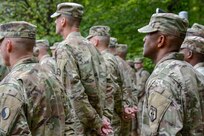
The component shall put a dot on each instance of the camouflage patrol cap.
(196, 30)
(69, 8)
(54, 46)
(121, 48)
(98, 31)
(40, 43)
(194, 43)
(167, 23)
(138, 60)
(113, 42)
(17, 29)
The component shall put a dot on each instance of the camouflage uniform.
(172, 93)
(81, 70)
(173, 104)
(3, 70)
(128, 87)
(53, 48)
(32, 101)
(200, 67)
(141, 77)
(48, 62)
(118, 90)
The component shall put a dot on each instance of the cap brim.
(56, 14)
(52, 48)
(1, 37)
(89, 37)
(147, 29)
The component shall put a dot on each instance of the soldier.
(129, 73)
(128, 86)
(112, 45)
(121, 50)
(100, 37)
(141, 77)
(193, 47)
(172, 103)
(31, 101)
(43, 56)
(81, 70)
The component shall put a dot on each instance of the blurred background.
(123, 16)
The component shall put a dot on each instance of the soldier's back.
(80, 70)
(44, 105)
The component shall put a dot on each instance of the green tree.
(123, 16)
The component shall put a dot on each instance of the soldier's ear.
(190, 54)
(63, 21)
(9, 46)
(161, 40)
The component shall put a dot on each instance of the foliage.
(123, 16)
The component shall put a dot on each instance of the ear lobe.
(161, 41)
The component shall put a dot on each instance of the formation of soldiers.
(86, 88)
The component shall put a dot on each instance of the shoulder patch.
(5, 113)
(153, 113)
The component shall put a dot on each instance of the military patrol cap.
(98, 31)
(121, 47)
(138, 60)
(40, 43)
(54, 46)
(167, 23)
(194, 43)
(69, 8)
(17, 29)
(196, 30)
(113, 42)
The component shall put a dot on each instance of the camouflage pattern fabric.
(69, 8)
(174, 25)
(196, 30)
(113, 83)
(174, 99)
(3, 70)
(120, 126)
(48, 63)
(35, 101)
(199, 67)
(141, 77)
(98, 31)
(81, 70)
(18, 29)
(194, 43)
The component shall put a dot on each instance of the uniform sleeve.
(143, 76)
(12, 118)
(165, 115)
(70, 76)
(127, 85)
(112, 87)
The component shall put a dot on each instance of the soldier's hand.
(106, 128)
(129, 113)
